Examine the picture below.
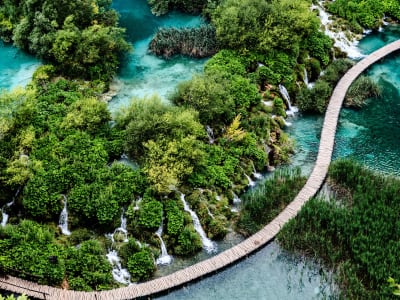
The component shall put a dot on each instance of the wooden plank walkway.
(246, 247)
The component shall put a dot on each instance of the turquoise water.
(270, 273)
(372, 135)
(16, 67)
(144, 74)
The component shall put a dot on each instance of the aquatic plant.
(357, 235)
(261, 205)
(360, 90)
(194, 42)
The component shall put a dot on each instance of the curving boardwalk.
(246, 247)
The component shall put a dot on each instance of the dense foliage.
(31, 251)
(81, 38)
(316, 99)
(365, 13)
(357, 233)
(58, 142)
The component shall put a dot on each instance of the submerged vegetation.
(356, 233)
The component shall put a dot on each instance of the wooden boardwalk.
(246, 247)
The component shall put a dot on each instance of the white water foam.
(165, 258)
(119, 274)
(341, 41)
(63, 220)
(208, 244)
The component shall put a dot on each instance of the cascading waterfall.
(285, 94)
(121, 229)
(341, 40)
(236, 203)
(165, 258)
(210, 134)
(306, 80)
(137, 204)
(256, 174)
(63, 221)
(119, 274)
(208, 245)
(5, 215)
(251, 182)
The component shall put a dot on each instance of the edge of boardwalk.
(244, 248)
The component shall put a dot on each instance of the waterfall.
(306, 80)
(255, 174)
(236, 203)
(119, 274)
(236, 199)
(251, 182)
(137, 204)
(305, 77)
(210, 134)
(122, 229)
(5, 215)
(341, 41)
(291, 109)
(3, 211)
(63, 221)
(165, 258)
(208, 245)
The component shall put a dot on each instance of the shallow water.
(270, 273)
(371, 135)
(16, 67)
(143, 74)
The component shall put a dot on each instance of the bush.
(175, 218)
(150, 214)
(189, 242)
(141, 265)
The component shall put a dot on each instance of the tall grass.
(360, 90)
(195, 42)
(362, 240)
(268, 199)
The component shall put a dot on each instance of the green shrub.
(194, 42)
(141, 265)
(150, 214)
(189, 242)
(175, 218)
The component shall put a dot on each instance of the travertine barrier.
(246, 247)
